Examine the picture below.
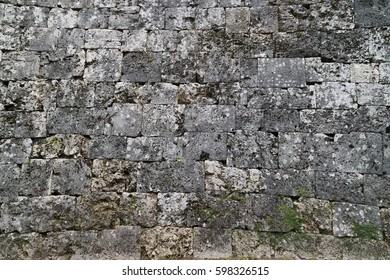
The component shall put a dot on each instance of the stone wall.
(180, 129)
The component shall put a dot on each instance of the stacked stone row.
(194, 129)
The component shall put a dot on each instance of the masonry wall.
(180, 129)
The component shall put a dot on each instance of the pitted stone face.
(181, 129)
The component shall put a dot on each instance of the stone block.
(195, 93)
(142, 67)
(108, 147)
(114, 175)
(212, 243)
(209, 118)
(189, 43)
(97, 211)
(373, 94)
(356, 221)
(32, 124)
(62, 18)
(205, 145)
(93, 18)
(25, 16)
(166, 243)
(17, 246)
(182, 18)
(335, 95)
(175, 69)
(264, 19)
(260, 45)
(10, 37)
(104, 94)
(64, 67)
(160, 93)
(19, 66)
(365, 73)
(103, 39)
(179, 176)
(386, 154)
(30, 96)
(173, 208)
(316, 215)
(35, 178)
(365, 249)
(162, 41)
(251, 244)
(328, 121)
(15, 150)
(230, 93)
(249, 72)
(38, 214)
(298, 44)
(153, 149)
(70, 177)
(42, 39)
(318, 71)
(281, 72)
(384, 73)
(377, 190)
(138, 209)
(213, 18)
(217, 67)
(41, 3)
(343, 187)
(9, 177)
(135, 40)
(61, 145)
(75, 93)
(75, 4)
(152, 17)
(372, 13)
(104, 65)
(123, 120)
(126, 18)
(385, 217)
(162, 120)
(237, 20)
(8, 121)
(258, 150)
(76, 120)
(283, 120)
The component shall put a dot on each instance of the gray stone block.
(182, 18)
(75, 93)
(356, 221)
(189, 43)
(126, 18)
(65, 67)
(297, 44)
(153, 149)
(20, 246)
(237, 20)
(249, 72)
(42, 3)
(173, 208)
(264, 19)
(217, 67)
(138, 209)
(384, 73)
(104, 94)
(8, 121)
(251, 244)
(135, 40)
(97, 211)
(194, 93)
(249, 119)
(328, 121)
(343, 187)
(32, 124)
(152, 18)
(15, 150)
(377, 190)
(162, 40)
(282, 120)
(26, 15)
(317, 71)
(9, 175)
(177, 176)
(260, 45)
(42, 39)
(160, 93)
(35, 178)
(205, 145)
(335, 95)
(10, 37)
(114, 175)
(108, 147)
(316, 215)
(103, 39)
(281, 72)
(93, 18)
(76, 120)
(213, 18)
(373, 94)
(62, 18)
(104, 65)
(372, 13)
(123, 120)
(142, 67)
(162, 120)
(209, 118)
(212, 243)
(176, 69)
(257, 150)
(365, 73)
(75, 4)
(38, 214)
(19, 66)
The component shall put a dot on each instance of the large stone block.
(251, 244)
(373, 94)
(152, 17)
(31, 124)
(182, 18)
(377, 190)
(138, 209)
(264, 19)
(35, 178)
(318, 71)
(125, 18)
(104, 65)
(162, 40)
(384, 73)
(65, 66)
(166, 243)
(123, 120)
(153, 149)
(17, 246)
(142, 67)
(93, 18)
(108, 147)
(210, 118)
(62, 18)
(281, 72)
(283, 120)
(237, 20)
(328, 121)
(335, 96)
(135, 40)
(218, 67)
(75, 93)
(162, 120)
(8, 121)
(25, 16)
(213, 18)
(173, 208)
(103, 39)
(76, 120)
(10, 37)
(176, 69)
(212, 243)
(19, 66)
(316, 215)
(42, 39)
(356, 220)
(15, 150)
(38, 214)
(199, 94)
(205, 145)
(258, 150)
(297, 44)
(372, 13)
(365, 73)
(180, 176)
(9, 177)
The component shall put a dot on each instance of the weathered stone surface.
(385, 218)
(10, 37)
(162, 40)
(213, 18)
(138, 209)
(205, 145)
(194, 93)
(104, 65)
(346, 187)
(212, 243)
(214, 67)
(365, 73)
(9, 175)
(384, 73)
(75, 93)
(124, 18)
(15, 150)
(276, 120)
(209, 118)
(142, 67)
(318, 71)
(365, 249)
(153, 149)
(162, 120)
(281, 72)
(176, 69)
(356, 220)
(19, 66)
(103, 39)
(31, 124)
(373, 94)
(108, 147)
(237, 20)
(166, 243)
(123, 120)
(76, 121)
(264, 19)
(386, 154)
(181, 176)
(316, 215)
(258, 150)
(372, 13)
(298, 44)
(377, 190)
(34, 178)
(251, 244)
(180, 18)
(65, 67)
(173, 208)
(38, 214)
(42, 39)
(335, 96)
(97, 211)
(93, 18)
(64, 18)
(135, 40)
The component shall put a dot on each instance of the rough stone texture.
(180, 129)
